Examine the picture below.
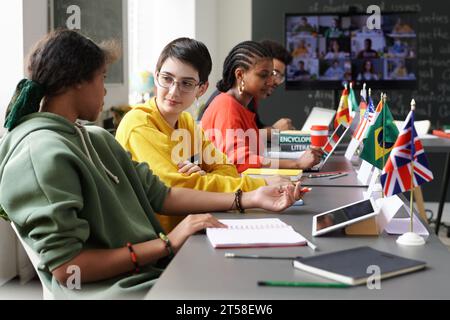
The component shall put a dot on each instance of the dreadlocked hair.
(242, 55)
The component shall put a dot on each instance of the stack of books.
(294, 140)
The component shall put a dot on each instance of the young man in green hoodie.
(74, 194)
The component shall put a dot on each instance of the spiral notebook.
(250, 233)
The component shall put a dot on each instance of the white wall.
(11, 66)
(235, 25)
(219, 24)
(207, 31)
(154, 24)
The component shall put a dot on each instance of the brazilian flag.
(384, 126)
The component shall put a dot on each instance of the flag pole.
(411, 201)
(411, 238)
(363, 90)
(384, 97)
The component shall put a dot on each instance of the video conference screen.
(331, 49)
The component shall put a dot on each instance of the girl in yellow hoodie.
(168, 139)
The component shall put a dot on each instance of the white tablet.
(343, 216)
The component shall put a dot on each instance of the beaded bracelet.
(237, 199)
(133, 257)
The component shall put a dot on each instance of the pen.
(302, 284)
(339, 175)
(323, 175)
(254, 256)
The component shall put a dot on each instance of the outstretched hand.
(277, 198)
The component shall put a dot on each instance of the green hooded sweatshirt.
(69, 188)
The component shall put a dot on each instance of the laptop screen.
(333, 142)
(319, 116)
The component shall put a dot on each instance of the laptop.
(319, 116)
(331, 145)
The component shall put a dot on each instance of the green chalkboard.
(99, 20)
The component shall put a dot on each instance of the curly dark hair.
(277, 51)
(65, 57)
(240, 56)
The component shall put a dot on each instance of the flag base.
(411, 239)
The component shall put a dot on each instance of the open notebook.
(242, 233)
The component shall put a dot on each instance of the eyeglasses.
(166, 81)
(278, 76)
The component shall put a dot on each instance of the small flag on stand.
(364, 124)
(380, 138)
(396, 176)
(352, 103)
(343, 113)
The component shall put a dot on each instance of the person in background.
(368, 73)
(76, 197)
(334, 51)
(402, 27)
(280, 58)
(247, 75)
(304, 26)
(302, 50)
(146, 131)
(367, 52)
(400, 71)
(334, 31)
(301, 72)
(334, 71)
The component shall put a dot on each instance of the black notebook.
(350, 266)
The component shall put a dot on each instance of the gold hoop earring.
(241, 87)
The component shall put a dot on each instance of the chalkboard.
(99, 20)
(433, 92)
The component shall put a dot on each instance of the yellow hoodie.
(148, 137)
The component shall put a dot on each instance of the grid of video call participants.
(343, 48)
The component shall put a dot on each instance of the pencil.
(254, 256)
(302, 284)
(339, 175)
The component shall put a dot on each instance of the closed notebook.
(243, 233)
(350, 266)
(268, 171)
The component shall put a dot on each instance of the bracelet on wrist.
(238, 200)
(133, 257)
(167, 244)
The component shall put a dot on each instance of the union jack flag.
(335, 137)
(396, 176)
(366, 121)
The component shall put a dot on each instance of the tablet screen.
(351, 212)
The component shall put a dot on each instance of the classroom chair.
(34, 257)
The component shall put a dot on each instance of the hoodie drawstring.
(79, 129)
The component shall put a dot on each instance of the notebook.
(293, 174)
(248, 233)
(350, 266)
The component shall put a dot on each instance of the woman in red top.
(247, 74)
